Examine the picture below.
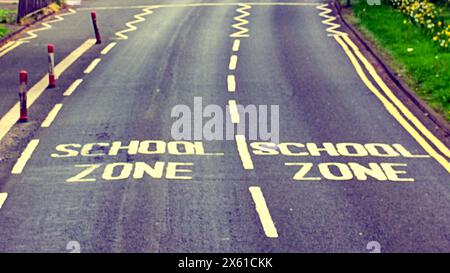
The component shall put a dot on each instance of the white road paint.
(11, 117)
(26, 155)
(72, 87)
(231, 82)
(3, 197)
(92, 66)
(263, 212)
(233, 62)
(108, 48)
(51, 115)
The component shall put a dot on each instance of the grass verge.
(408, 50)
(6, 17)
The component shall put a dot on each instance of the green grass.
(3, 31)
(427, 67)
(6, 17)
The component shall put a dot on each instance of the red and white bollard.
(51, 66)
(23, 96)
(96, 30)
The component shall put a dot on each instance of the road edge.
(431, 114)
(26, 26)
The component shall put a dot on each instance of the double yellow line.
(9, 46)
(393, 105)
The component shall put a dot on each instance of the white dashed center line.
(51, 115)
(233, 62)
(263, 212)
(26, 155)
(92, 66)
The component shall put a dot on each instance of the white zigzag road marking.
(32, 34)
(330, 21)
(131, 25)
(242, 31)
(46, 25)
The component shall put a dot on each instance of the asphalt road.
(377, 180)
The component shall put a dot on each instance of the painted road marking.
(233, 62)
(108, 48)
(92, 66)
(131, 25)
(26, 155)
(244, 154)
(231, 81)
(330, 21)
(263, 212)
(8, 47)
(310, 4)
(396, 101)
(3, 196)
(241, 30)
(10, 118)
(234, 113)
(51, 115)
(72, 87)
(46, 25)
(236, 45)
(31, 34)
(391, 108)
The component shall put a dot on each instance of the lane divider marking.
(72, 87)
(131, 25)
(3, 196)
(236, 45)
(244, 153)
(263, 212)
(396, 101)
(231, 82)
(25, 156)
(51, 115)
(92, 66)
(108, 48)
(10, 118)
(233, 62)
(391, 108)
(234, 113)
(241, 30)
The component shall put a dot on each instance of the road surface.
(353, 164)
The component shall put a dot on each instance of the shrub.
(427, 15)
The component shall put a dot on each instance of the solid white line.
(234, 113)
(236, 45)
(10, 118)
(51, 115)
(72, 87)
(108, 48)
(244, 154)
(263, 212)
(92, 66)
(26, 155)
(3, 196)
(233, 62)
(231, 81)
